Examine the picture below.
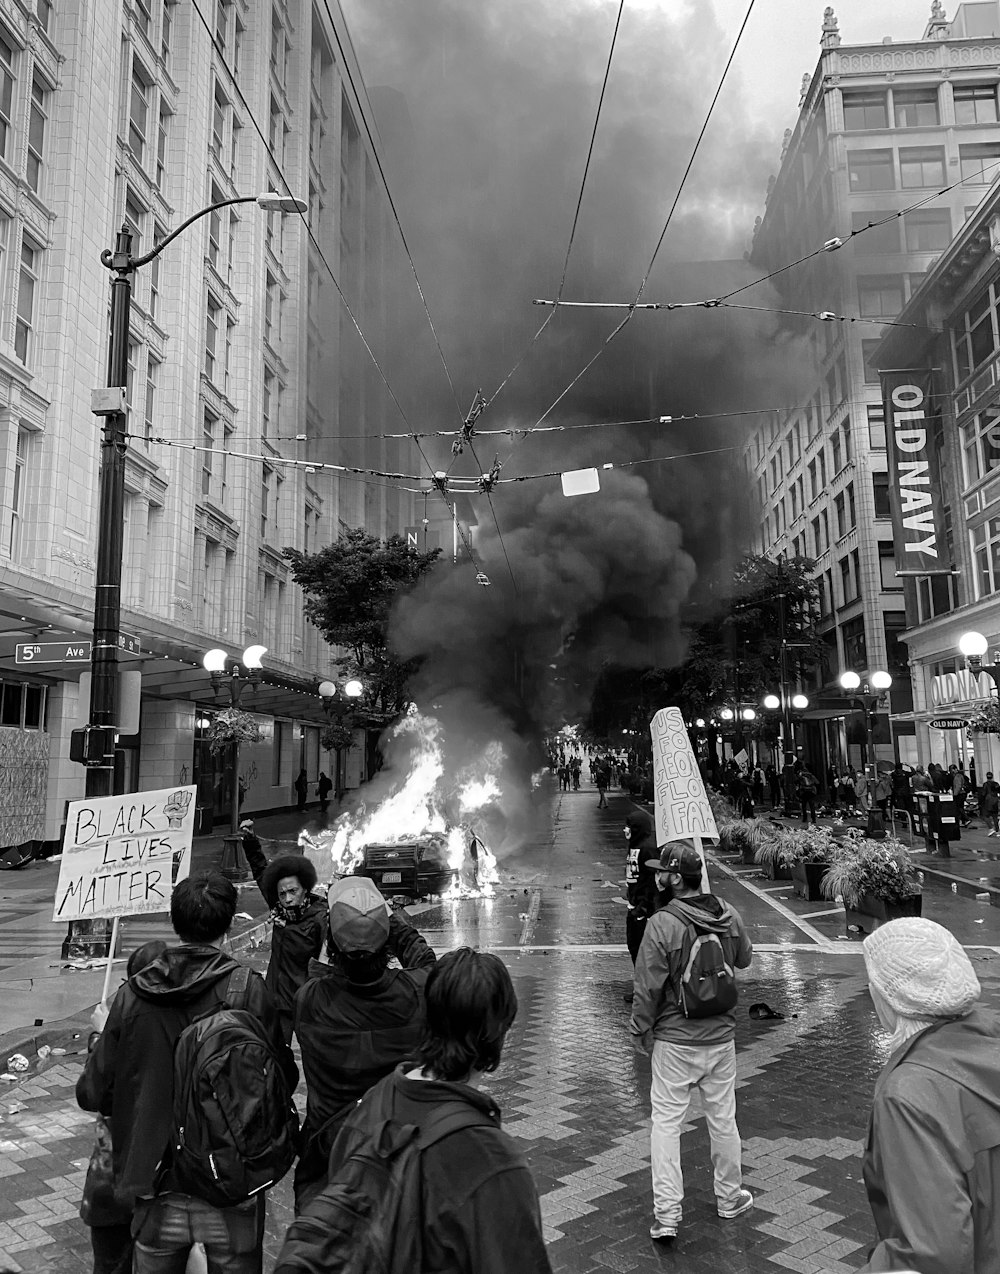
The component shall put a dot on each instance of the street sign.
(949, 723)
(128, 643)
(52, 652)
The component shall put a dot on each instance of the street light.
(973, 646)
(336, 705)
(94, 744)
(869, 695)
(786, 704)
(235, 675)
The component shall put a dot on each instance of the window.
(855, 648)
(24, 326)
(887, 569)
(986, 555)
(230, 338)
(222, 25)
(162, 128)
(865, 110)
(215, 229)
(208, 446)
(927, 229)
(275, 128)
(821, 532)
(17, 495)
(138, 115)
(44, 10)
(36, 134)
(143, 16)
(870, 170)
(916, 107)
(980, 163)
(794, 444)
(897, 655)
(227, 441)
(880, 295)
(794, 496)
(975, 335)
(238, 33)
(836, 454)
(839, 506)
(845, 429)
(813, 489)
(883, 235)
(981, 444)
(7, 84)
(166, 30)
(131, 369)
(846, 591)
(880, 490)
(266, 479)
(852, 512)
(234, 148)
(152, 381)
(876, 427)
(234, 225)
(154, 275)
(868, 348)
(272, 310)
(212, 319)
(220, 108)
(975, 103)
(821, 460)
(921, 166)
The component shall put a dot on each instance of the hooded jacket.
(129, 1076)
(932, 1162)
(655, 1012)
(640, 880)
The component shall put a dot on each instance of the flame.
(424, 805)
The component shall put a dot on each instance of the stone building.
(901, 125)
(242, 359)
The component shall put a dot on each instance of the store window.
(981, 444)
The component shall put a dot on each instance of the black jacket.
(352, 1035)
(129, 1075)
(294, 945)
(640, 879)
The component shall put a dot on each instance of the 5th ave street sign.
(52, 652)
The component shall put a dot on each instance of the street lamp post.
(94, 744)
(786, 704)
(973, 646)
(869, 696)
(337, 700)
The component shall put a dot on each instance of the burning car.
(414, 867)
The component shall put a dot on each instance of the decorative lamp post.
(337, 700)
(93, 745)
(229, 729)
(973, 646)
(868, 696)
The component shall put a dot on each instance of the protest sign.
(122, 855)
(682, 808)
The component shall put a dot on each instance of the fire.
(424, 805)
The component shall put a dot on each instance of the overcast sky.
(781, 41)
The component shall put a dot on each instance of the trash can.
(942, 821)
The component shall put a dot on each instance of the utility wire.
(825, 316)
(496, 522)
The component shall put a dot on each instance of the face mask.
(628, 833)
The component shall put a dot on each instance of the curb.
(962, 885)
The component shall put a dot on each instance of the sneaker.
(660, 1231)
(744, 1203)
(991, 833)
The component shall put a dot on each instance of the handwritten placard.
(681, 805)
(122, 855)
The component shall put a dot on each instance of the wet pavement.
(573, 1092)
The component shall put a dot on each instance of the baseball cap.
(681, 858)
(359, 919)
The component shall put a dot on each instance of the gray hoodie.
(655, 1012)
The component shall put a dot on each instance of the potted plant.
(741, 836)
(775, 853)
(232, 726)
(876, 880)
(809, 853)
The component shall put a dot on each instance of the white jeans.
(677, 1069)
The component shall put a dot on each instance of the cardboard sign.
(682, 808)
(122, 855)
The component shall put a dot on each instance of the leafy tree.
(350, 587)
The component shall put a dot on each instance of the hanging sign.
(122, 855)
(949, 723)
(914, 475)
(681, 804)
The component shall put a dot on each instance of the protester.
(808, 786)
(324, 787)
(989, 803)
(563, 776)
(129, 1077)
(301, 786)
(692, 1045)
(298, 930)
(640, 881)
(773, 785)
(478, 1205)
(932, 1161)
(882, 793)
(355, 1018)
(602, 778)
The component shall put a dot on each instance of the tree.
(350, 587)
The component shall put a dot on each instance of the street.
(570, 1087)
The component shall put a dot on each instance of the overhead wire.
(825, 316)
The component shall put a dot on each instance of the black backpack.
(369, 1217)
(235, 1128)
(707, 984)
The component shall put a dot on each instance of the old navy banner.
(914, 476)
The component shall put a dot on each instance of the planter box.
(776, 871)
(747, 855)
(872, 912)
(806, 878)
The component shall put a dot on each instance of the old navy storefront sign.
(914, 475)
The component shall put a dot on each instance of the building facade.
(245, 371)
(880, 128)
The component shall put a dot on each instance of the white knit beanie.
(920, 969)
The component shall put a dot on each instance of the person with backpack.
(422, 1176)
(684, 1016)
(193, 1072)
(808, 788)
(355, 1018)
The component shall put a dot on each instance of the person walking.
(861, 792)
(883, 793)
(689, 1051)
(757, 781)
(129, 1076)
(563, 777)
(931, 1165)
(989, 803)
(959, 787)
(575, 766)
(808, 787)
(301, 786)
(324, 786)
(773, 785)
(601, 778)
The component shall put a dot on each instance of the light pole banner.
(681, 804)
(122, 855)
(914, 474)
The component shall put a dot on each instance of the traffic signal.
(92, 745)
